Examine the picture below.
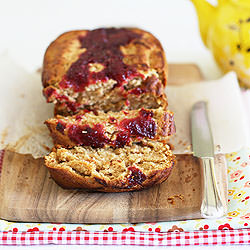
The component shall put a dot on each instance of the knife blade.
(203, 148)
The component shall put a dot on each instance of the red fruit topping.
(87, 136)
(123, 138)
(49, 92)
(141, 126)
(103, 47)
(136, 176)
(137, 91)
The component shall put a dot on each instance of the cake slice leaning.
(135, 167)
(116, 129)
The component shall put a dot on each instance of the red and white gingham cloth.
(241, 236)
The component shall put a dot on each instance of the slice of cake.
(116, 129)
(111, 169)
(105, 69)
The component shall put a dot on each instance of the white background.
(28, 26)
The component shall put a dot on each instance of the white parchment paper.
(23, 110)
(226, 111)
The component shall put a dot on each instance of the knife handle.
(212, 205)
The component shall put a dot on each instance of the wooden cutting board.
(27, 192)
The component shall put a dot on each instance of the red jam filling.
(112, 120)
(137, 91)
(103, 46)
(87, 136)
(50, 92)
(123, 138)
(140, 126)
(73, 106)
(79, 117)
(136, 176)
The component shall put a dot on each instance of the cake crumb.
(171, 146)
(173, 198)
(46, 147)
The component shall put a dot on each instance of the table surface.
(27, 27)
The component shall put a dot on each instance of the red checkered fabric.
(241, 236)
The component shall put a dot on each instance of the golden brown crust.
(60, 126)
(60, 54)
(73, 180)
(158, 59)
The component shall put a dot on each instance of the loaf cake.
(111, 169)
(105, 69)
(116, 129)
(111, 122)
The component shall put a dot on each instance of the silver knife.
(203, 148)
